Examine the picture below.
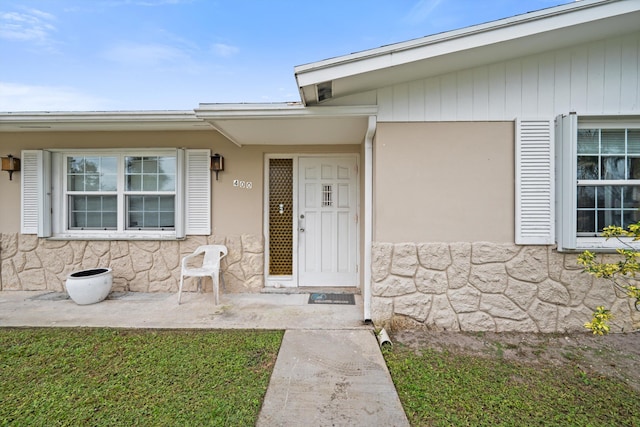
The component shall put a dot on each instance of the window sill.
(116, 236)
(602, 245)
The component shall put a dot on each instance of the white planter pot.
(89, 286)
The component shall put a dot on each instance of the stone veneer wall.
(489, 287)
(31, 263)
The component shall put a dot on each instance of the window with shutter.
(107, 194)
(599, 179)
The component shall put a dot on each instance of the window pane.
(588, 141)
(135, 219)
(94, 220)
(613, 168)
(136, 203)
(151, 203)
(631, 197)
(587, 197)
(151, 212)
(94, 204)
(149, 182)
(609, 197)
(91, 182)
(109, 182)
(92, 212)
(151, 219)
(151, 173)
(92, 173)
(134, 182)
(630, 217)
(586, 221)
(167, 204)
(150, 165)
(612, 141)
(133, 165)
(167, 219)
(75, 165)
(609, 217)
(633, 168)
(167, 165)
(587, 167)
(109, 217)
(633, 141)
(166, 182)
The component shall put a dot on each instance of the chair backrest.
(212, 255)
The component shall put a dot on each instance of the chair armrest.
(186, 259)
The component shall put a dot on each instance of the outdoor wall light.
(10, 164)
(217, 164)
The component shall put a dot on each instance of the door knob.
(302, 229)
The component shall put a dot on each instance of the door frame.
(292, 281)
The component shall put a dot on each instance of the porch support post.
(368, 214)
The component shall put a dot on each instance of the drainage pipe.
(368, 214)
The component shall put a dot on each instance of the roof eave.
(520, 27)
(100, 121)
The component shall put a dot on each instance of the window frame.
(60, 194)
(567, 183)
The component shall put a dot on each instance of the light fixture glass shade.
(10, 164)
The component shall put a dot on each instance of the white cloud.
(421, 10)
(224, 50)
(21, 97)
(32, 25)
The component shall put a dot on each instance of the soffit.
(288, 124)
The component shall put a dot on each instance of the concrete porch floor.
(161, 310)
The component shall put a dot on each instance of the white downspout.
(368, 214)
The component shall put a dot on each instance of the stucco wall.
(444, 182)
(235, 210)
(29, 263)
(485, 286)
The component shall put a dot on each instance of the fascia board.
(517, 27)
(265, 111)
(98, 116)
(98, 121)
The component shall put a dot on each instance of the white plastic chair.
(210, 266)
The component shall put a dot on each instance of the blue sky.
(102, 55)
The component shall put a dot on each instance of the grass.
(58, 376)
(445, 389)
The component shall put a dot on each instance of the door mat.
(320, 298)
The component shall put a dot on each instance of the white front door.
(327, 221)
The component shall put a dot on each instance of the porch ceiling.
(288, 123)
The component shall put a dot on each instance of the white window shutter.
(534, 182)
(35, 216)
(566, 179)
(198, 192)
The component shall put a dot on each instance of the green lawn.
(446, 389)
(55, 376)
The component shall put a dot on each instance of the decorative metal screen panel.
(280, 217)
(327, 195)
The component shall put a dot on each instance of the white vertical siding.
(595, 78)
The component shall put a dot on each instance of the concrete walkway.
(329, 371)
